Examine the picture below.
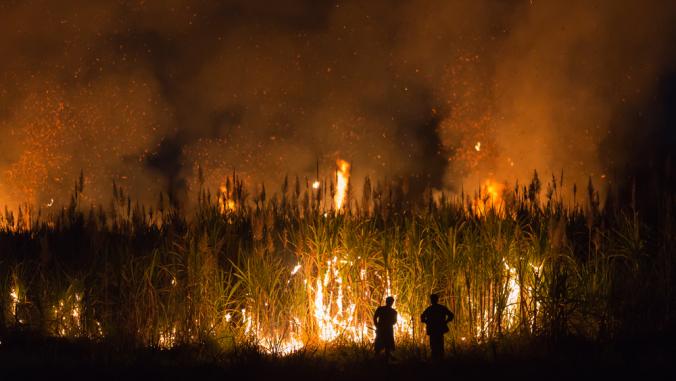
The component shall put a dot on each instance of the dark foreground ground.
(23, 356)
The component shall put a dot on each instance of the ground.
(23, 356)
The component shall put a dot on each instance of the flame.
(14, 300)
(295, 269)
(513, 290)
(489, 197)
(225, 203)
(343, 178)
(334, 317)
(513, 296)
(285, 347)
(167, 340)
(316, 184)
(334, 312)
(333, 306)
(68, 316)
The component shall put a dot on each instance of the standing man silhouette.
(384, 319)
(436, 317)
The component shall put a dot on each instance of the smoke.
(144, 93)
(564, 75)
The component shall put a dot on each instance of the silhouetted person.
(384, 319)
(436, 317)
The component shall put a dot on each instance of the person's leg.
(432, 346)
(437, 346)
(390, 347)
(441, 347)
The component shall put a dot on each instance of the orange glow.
(225, 203)
(343, 178)
(334, 311)
(489, 197)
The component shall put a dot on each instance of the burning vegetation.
(290, 271)
(422, 115)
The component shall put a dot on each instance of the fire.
(67, 315)
(343, 178)
(225, 203)
(295, 269)
(167, 339)
(285, 347)
(14, 300)
(332, 315)
(489, 197)
(513, 292)
(513, 295)
(316, 184)
(334, 312)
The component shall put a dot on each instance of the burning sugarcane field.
(338, 189)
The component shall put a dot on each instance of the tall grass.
(250, 273)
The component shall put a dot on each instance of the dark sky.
(142, 92)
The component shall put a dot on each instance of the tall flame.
(343, 178)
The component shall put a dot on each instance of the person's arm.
(449, 315)
(423, 317)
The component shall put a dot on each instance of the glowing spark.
(51, 202)
(315, 184)
(477, 146)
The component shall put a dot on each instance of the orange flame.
(489, 197)
(343, 178)
(225, 203)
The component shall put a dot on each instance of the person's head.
(434, 298)
(389, 301)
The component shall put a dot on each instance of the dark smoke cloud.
(144, 92)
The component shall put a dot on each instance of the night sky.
(144, 92)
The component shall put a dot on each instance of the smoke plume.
(143, 93)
